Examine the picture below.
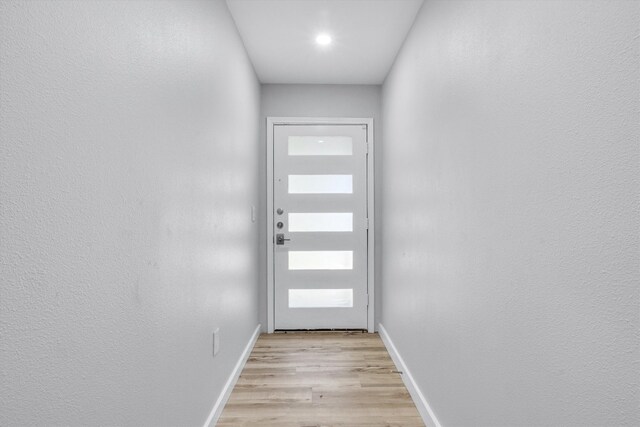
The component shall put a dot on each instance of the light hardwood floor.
(320, 379)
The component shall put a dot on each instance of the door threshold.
(286, 331)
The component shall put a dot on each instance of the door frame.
(368, 122)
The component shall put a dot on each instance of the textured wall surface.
(511, 253)
(128, 167)
(279, 100)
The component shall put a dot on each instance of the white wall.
(510, 264)
(295, 100)
(128, 165)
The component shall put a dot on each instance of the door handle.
(280, 239)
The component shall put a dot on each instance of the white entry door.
(320, 226)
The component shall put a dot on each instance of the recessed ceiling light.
(323, 39)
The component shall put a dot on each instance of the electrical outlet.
(216, 341)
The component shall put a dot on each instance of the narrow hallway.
(183, 179)
(305, 379)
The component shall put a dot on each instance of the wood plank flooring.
(309, 379)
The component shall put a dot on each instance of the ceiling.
(279, 36)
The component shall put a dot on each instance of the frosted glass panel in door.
(320, 184)
(320, 298)
(300, 222)
(320, 260)
(320, 146)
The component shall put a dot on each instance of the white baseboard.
(231, 382)
(424, 409)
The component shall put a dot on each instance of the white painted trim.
(427, 414)
(368, 122)
(270, 238)
(371, 221)
(231, 382)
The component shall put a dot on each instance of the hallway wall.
(510, 267)
(128, 167)
(295, 100)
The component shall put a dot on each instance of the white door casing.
(320, 199)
